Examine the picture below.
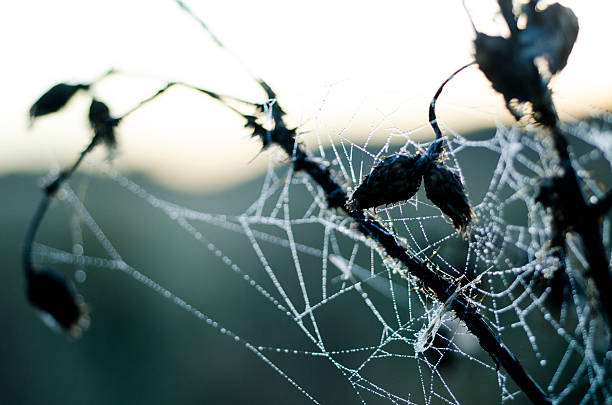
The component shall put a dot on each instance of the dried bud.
(395, 178)
(54, 99)
(445, 190)
(52, 294)
(102, 122)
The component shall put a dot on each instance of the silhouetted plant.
(519, 67)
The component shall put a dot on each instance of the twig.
(437, 145)
(51, 189)
(26, 254)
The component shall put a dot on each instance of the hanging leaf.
(445, 189)
(52, 294)
(513, 78)
(520, 66)
(395, 178)
(54, 99)
(549, 33)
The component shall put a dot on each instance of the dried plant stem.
(441, 287)
(26, 254)
(49, 191)
(437, 145)
(586, 224)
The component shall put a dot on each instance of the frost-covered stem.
(441, 287)
(586, 223)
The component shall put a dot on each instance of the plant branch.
(49, 191)
(442, 288)
(584, 219)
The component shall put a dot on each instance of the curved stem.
(601, 207)
(438, 144)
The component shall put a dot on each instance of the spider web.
(336, 304)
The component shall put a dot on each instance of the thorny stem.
(370, 227)
(441, 287)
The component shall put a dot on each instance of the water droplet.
(80, 276)
(542, 362)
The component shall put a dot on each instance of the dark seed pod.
(102, 123)
(54, 99)
(395, 178)
(445, 190)
(52, 294)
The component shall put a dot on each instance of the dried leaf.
(102, 123)
(52, 294)
(514, 78)
(54, 99)
(514, 65)
(549, 33)
(444, 188)
(395, 178)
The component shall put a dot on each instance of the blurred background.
(337, 67)
(359, 70)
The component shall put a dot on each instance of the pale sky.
(335, 65)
